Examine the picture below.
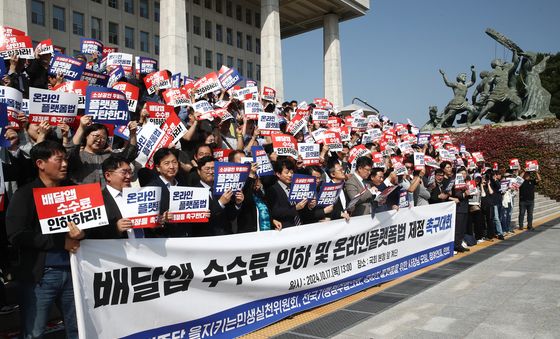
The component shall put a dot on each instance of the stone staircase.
(544, 207)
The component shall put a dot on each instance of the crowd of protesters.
(41, 155)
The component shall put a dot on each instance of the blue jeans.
(506, 218)
(497, 223)
(54, 287)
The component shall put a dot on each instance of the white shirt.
(360, 180)
(167, 182)
(121, 204)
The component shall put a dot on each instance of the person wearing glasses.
(117, 174)
(90, 147)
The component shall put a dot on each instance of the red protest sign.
(207, 84)
(158, 112)
(45, 47)
(78, 87)
(156, 81)
(298, 122)
(268, 93)
(333, 140)
(531, 165)
(221, 154)
(514, 164)
(107, 50)
(19, 45)
(334, 122)
(80, 204)
(356, 152)
(131, 92)
(285, 144)
(176, 97)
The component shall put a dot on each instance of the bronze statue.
(481, 91)
(537, 99)
(459, 102)
(434, 119)
(503, 91)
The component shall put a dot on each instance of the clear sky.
(391, 56)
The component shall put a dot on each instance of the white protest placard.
(246, 93)
(142, 206)
(268, 123)
(320, 115)
(252, 109)
(122, 59)
(188, 204)
(419, 161)
(310, 153)
(205, 109)
(52, 106)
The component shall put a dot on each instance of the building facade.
(194, 37)
(219, 32)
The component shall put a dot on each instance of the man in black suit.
(117, 173)
(166, 162)
(337, 175)
(223, 210)
(277, 196)
(44, 270)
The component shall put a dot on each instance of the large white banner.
(226, 286)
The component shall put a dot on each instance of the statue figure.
(434, 119)
(502, 91)
(537, 99)
(459, 102)
(481, 91)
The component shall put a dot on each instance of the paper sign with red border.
(158, 112)
(52, 106)
(310, 153)
(188, 204)
(142, 206)
(285, 144)
(78, 87)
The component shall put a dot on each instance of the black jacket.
(24, 232)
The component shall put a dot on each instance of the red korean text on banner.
(131, 92)
(173, 128)
(107, 50)
(80, 204)
(334, 122)
(333, 140)
(19, 45)
(285, 144)
(45, 47)
(478, 157)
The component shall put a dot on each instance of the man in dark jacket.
(44, 271)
